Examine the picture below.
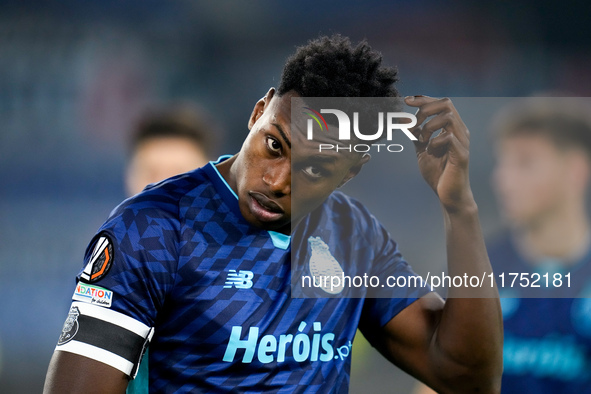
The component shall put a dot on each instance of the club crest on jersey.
(323, 265)
(240, 280)
(100, 260)
(70, 326)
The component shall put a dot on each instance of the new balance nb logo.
(239, 280)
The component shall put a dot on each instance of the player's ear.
(579, 170)
(353, 171)
(260, 107)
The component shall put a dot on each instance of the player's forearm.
(466, 253)
(470, 332)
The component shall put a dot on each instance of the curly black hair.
(333, 67)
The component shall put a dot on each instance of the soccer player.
(197, 269)
(541, 180)
(167, 142)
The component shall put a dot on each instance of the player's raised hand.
(443, 159)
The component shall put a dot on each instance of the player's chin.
(277, 222)
(279, 226)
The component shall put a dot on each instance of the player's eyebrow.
(283, 135)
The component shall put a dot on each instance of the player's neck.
(225, 170)
(563, 234)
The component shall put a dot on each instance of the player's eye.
(313, 171)
(273, 145)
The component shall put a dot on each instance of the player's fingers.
(421, 102)
(444, 115)
(421, 142)
(442, 108)
(432, 125)
(417, 101)
(438, 146)
(447, 142)
(446, 120)
(429, 106)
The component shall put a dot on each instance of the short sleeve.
(129, 268)
(402, 286)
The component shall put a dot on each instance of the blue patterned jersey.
(178, 270)
(547, 346)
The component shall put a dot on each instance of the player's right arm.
(72, 373)
(130, 267)
(454, 346)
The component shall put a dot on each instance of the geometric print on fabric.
(175, 246)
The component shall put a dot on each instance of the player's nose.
(278, 178)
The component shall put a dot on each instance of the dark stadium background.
(75, 74)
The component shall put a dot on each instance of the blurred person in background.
(166, 142)
(541, 179)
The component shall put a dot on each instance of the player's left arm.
(454, 346)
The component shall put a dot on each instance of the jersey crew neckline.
(281, 241)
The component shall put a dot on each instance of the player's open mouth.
(263, 208)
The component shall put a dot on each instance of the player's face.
(530, 178)
(279, 175)
(160, 158)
